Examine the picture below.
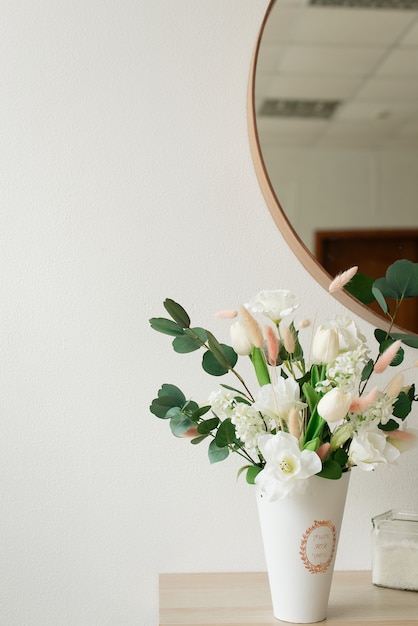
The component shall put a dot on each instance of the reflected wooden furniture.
(243, 599)
(373, 251)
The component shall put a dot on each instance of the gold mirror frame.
(293, 240)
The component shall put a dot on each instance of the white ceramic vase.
(300, 536)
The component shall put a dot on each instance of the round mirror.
(334, 129)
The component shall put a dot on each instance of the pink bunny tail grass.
(293, 423)
(362, 403)
(288, 338)
(272, 345)
(342, 279)
(404, 440)
(252, 327)
(323, 450)
(387, 357)
(227, 315)
(395, 386)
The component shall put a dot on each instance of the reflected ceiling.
(362, 58)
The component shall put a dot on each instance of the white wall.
(126, 177)
(325, 189)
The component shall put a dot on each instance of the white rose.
(275, 304)
(276, 401)
(370, 447)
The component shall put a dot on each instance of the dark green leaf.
(331, 469)
(391, 425)
(367, 370)
(340, 456)
(212, 366)
(402, 277)
(202, 410)
(408, 340)
(168, 327)
(197, 440)
(379, 297)
(402, 406)
(381, 335)
(360, 286)
(184, 344)
(225, 355)
(177, 312)
(217, 454)
(311, 396)
(252, 473)
(196, 333)
(381, 285)
(161, 406)
(173, 392)
(226, 434)
(205, 427)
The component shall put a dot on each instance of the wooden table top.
(243, 599)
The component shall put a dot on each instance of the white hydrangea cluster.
(380, 411)
(345, 371)
(222, 403)
(249, 425)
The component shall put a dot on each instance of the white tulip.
(334, 405)
(239, 339)
(325, 346)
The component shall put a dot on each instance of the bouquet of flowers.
(318, 412)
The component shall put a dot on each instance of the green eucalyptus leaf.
(402, 406)
(225, 355)
(165, 326)
(212, 366)
(330, 469)
(360, 286)
(173, 392)
(380, 335)
(180, 424)
(161, 406)
(390, 425)
(217, 454)
(202, 410)
(184, 344)
(205, 427)
(177, 312)
(408, 340)
(190, 408)
(226, 434)
(402, 277)
(197, 333)
(379, 297)
(198, 440)
(381, 285)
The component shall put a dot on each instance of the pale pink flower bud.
(360, 404)
(288, 338)
(293, 423)
(342, 279)
(404, 440)
(272, 345)
(304, 323)
(240, 340)
(325, 345)
(227, 314)
(387, 357)
(395, 386)
(323, 450)
(252, 327)
(334, 405)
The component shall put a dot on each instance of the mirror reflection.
(336, 99)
